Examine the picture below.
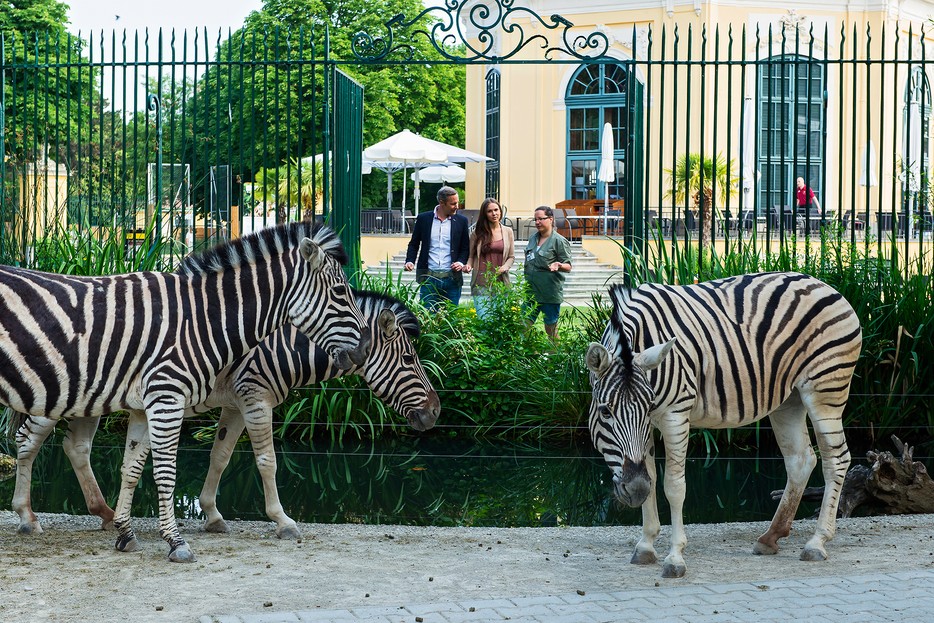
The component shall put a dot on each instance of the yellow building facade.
(836, 93)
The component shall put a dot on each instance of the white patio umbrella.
(749, 174)
(868, 160)
(407, 150)
(607, 171)
(418, 152)
(441, 174)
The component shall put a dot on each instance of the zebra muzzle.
(631, 483)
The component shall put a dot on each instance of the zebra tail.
(14, 420)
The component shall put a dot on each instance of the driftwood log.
(887, 486)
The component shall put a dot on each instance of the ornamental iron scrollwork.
(484, 19)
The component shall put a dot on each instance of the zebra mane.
(615, 339)
(371, 303)
(263, 243)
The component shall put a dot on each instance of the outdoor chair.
(568, 224)
(849, 221)
(613, 225)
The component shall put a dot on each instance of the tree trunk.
(703, 201)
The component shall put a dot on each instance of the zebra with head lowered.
(253, 386)
(723, 354)
(82, 347)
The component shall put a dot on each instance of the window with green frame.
(916, 132)
(791, 128)
(597, 94)
(492, 132)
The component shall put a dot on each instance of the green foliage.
(693, 172)
(68, 252)
(430, 98)
(499, 375)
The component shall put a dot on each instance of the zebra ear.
(387, 322)
(650, 358)
(312, 253)
(597, 358)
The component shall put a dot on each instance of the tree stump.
(888, 486)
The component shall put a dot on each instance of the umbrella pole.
(606, 207)
(403, 197)
(389, 190)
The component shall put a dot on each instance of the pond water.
(424, 481)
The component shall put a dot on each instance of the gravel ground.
(72, 573)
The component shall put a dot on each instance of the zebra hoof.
(288, 532)
(673, 571)
(127, 543)
(643, 557)
(813, 554)
(217, 526)
(763, 549)
(29, 527)
(182, 553)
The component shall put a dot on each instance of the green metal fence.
(238, 134)
(183, 139)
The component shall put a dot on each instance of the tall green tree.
(44, 74)
(51, 109)
(273, 112)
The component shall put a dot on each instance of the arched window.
(916, 128)
(597, 94)
(492, 132)
(791, 128)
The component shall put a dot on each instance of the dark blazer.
(421, 237)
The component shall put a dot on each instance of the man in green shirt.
(547, 259)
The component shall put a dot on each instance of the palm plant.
(701, 176)
(297, 183)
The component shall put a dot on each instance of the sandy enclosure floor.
(72, 572)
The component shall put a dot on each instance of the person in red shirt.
(806, 198)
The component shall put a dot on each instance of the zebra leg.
(789, 422)
(229, 428)
(676, 448)
(827, 422)
(259, 427)
(134, 460)
(29, 438)
(77, 446)
(165, 427)
(644, 554)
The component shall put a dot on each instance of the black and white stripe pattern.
(724, 354)
(249, 390)
(287, 360)
(74, 347)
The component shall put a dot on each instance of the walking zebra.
(252, 387)
(723, 354)
(79, 347)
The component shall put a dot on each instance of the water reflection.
(424, 481)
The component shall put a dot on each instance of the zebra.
(252, 387)
(723, 354)
(82, 347)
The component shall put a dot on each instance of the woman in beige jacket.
(492, 253)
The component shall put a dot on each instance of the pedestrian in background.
(438, 251)
(492, 253)
(547, 260)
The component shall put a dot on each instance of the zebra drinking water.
(80, 347)
(252, 387)
(723, 354)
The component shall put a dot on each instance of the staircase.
(588, 276)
